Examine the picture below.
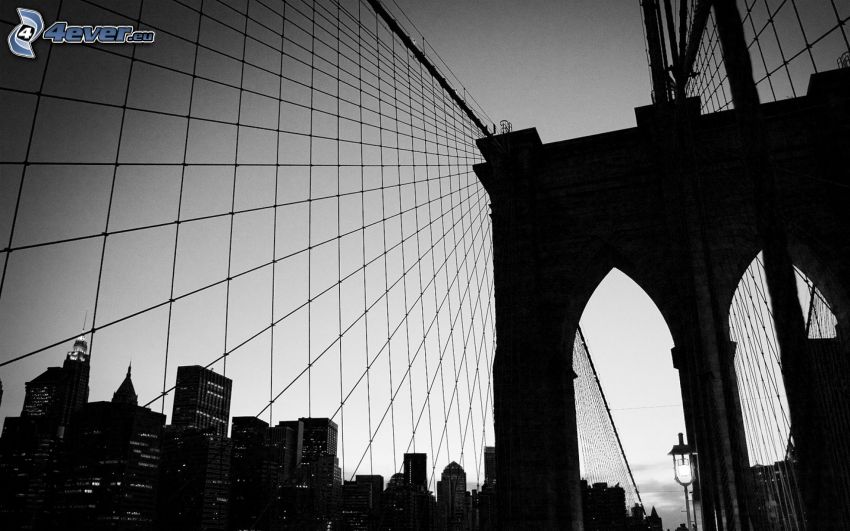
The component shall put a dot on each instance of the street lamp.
(684, 470)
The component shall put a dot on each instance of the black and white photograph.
(434, 265)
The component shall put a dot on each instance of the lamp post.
(683, 469)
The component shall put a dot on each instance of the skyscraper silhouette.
(29, 448)
(286, 441)
(490, 465)
(195, 469)
(356, 506)
(319, 439)
(376, 488)
(319, 467)
(257, 473)
(111, 472)
(604, 507)
(292, 432)
(415, 470)
(58, 392)
(451, 497)
(201, 400)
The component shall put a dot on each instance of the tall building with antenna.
(29, 447)
(58, 392)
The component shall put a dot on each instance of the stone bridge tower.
(685, 228)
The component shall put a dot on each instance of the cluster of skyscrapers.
(604, 509)
(408, 504)
(69, 463)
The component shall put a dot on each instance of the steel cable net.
(788, 40)
(278, 191)
(762, 394)
(601, 458)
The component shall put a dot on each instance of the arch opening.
(624, 343)
(757, 358)
(762, 394)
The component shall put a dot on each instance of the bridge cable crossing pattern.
(314, 170)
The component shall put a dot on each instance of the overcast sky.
(568, 68)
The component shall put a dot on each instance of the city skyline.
(303, 197)
(189, 410)
(651, 467)
(193, 398)
(233, 318)
(193, 490)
